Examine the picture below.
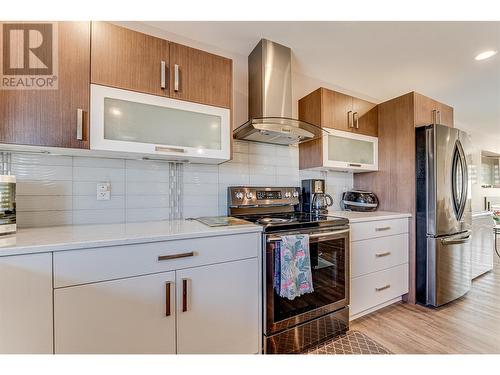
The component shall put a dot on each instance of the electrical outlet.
(103, 191)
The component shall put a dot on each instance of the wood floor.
(468, 325)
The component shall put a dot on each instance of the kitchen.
(122, 180)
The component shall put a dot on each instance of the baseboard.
(374, 308)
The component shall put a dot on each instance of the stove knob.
(249, 195)
(239, 195)
(288, 194)
(295, 194)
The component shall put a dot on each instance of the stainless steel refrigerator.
(444, 221)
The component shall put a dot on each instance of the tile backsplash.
(61, 190)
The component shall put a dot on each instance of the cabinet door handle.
(380, 255)
(168, 287)
(169, 149)
(355, 120)
(175, 256)
(349, 119)
(184, 295)
(439, 117)
(354, 165)
(176, 77)
(79, 124)
(383, 288)
(163, 79)
(380, 229)
(434, 117)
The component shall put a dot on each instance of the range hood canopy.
(270, 99)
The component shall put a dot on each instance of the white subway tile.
(87, 202)
(261, 149)
(42, 172)
(41, 159)
(48, 187)
(147, 175)
(98, 174)
(43, 203)
(193, 211)
(150, 188)
(206, 168)
(98, 162)
(269, 170)
(205, 189)
(200, 178)
(201, 200)
(287, 180)
(90, 188)
(31, 219)
(106, 216)
(147, 201)
(241, 147)
(147, 214)
(239, 158)
(262, 180)
(147, 164)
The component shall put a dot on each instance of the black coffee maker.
(314, 198)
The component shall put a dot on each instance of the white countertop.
(71, 237)
(359, 217)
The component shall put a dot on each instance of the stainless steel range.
(291, 326)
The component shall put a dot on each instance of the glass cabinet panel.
(139, 122)
(350, 150)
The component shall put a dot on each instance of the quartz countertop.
(359, 217)
(72, 237)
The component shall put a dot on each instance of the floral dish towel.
(292, 266)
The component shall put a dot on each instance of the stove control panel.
(241, 196)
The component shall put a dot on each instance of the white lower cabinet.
(379, 264)
(26, 304)
(212, 308)
(121, 316)
(222, 309)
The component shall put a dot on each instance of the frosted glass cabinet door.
(350, 152)
(128, 121)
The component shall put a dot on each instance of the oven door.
(329, 251)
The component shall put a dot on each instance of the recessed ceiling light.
(486, 55)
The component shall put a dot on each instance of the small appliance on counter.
(358, 200)
(314, 198)
(7, 204)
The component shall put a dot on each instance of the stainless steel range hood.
(270, 99)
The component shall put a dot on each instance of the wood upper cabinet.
(51, 117)
(428, 111)
(334, 110)
(200, 76)
(129, 60)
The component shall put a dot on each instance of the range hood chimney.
(270, 99)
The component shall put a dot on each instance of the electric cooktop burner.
(292, 220)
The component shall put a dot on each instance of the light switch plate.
(103, 191)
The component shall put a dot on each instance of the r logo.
(29, 56)
(27, 49)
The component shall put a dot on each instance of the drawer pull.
(380, 255)
(354, 165)
(184, 295)
(383, 288)
(168, 285)
(175, 256)
(380, 229)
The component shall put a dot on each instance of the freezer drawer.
(449, 270)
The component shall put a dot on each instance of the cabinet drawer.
(371, 290)
(379, 228)
(114, 262)
(377, 254)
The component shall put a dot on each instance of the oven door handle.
(314, 235)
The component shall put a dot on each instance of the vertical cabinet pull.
(439, 117)
(163, 79)
(355, 120)
(79, 124)
(184, 295)
(176, 77)
(349, 119)
(168, 286)
(434, 117)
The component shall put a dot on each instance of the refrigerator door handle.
(456, 240)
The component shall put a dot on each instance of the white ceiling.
(381, 59)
